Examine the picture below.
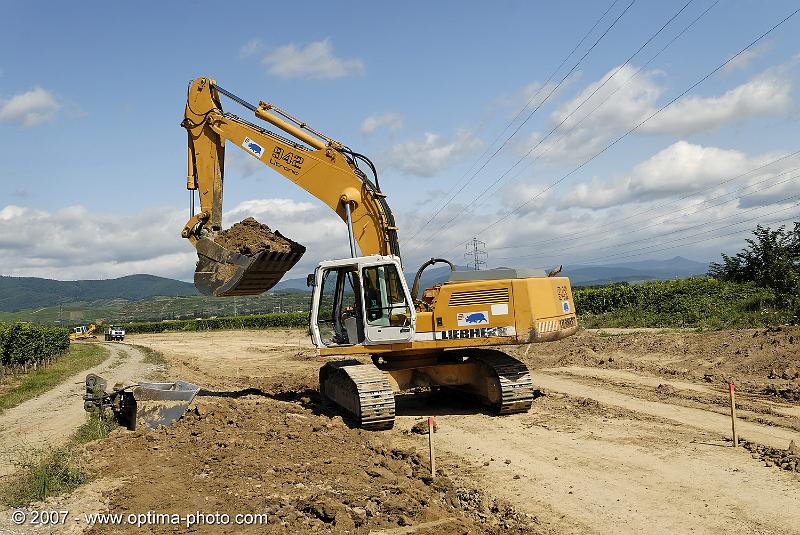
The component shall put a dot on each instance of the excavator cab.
(361, 301)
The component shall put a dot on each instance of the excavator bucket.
(257, 265)
(143, 405)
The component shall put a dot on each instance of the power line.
(601, 104)
(642, 122)
(684, 229)
(478, 253)
(538, 106)
(634, 253)
(513, 120)
(597, 232)
(790, 198)
(585, 100)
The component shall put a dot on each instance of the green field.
(159, 308)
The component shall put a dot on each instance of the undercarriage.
(365, 392)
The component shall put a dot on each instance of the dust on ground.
(249, 237)
(628, 434)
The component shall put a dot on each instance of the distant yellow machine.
(362, 305)
(82, 331)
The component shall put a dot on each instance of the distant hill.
(17, 293)
(580, 275)
(27, 293)
(431, 276)
(644, 270)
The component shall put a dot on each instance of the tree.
(771, 259)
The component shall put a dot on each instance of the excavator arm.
(318, 164)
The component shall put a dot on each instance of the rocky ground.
(630, 433)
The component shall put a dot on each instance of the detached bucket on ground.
(247, 259)
(143, 405)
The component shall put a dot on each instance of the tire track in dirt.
(626, 377)
(706, 420)
(623, 476)
(52, 417)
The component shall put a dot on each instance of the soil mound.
(249, 237)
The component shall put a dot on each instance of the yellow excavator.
(82, 332)
(362, 305)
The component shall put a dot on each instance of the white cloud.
(30, 108)
(625, 101)
(429, 156)
(678, 170)
(313, 60)
(535, 93)
(75, 243)
(246, 164)
(251, 48)
(607, 112)
(743, 60)
(393, 121)
(768, 94)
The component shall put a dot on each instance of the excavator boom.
(361, 306)
(316, 163)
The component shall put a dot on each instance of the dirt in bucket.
(249, 237)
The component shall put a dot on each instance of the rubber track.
(362, 391)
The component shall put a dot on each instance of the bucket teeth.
(361, 391)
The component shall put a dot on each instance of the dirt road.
(628, 436)
(52, 417)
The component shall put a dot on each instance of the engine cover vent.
(479, 297)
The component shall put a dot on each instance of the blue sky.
(93, 165)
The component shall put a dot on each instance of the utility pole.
(476, 253)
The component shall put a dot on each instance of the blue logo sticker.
(472, 318)
(565, 305)
(253, 147)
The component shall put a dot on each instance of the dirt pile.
(249, 237)
(307, 470)
(788, 459)
(752, 358)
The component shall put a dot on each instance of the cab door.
(389, 316)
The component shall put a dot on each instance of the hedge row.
(673, 296)
(260, 321)
(695, 301)
(22, 344)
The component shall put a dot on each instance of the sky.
(556, 133)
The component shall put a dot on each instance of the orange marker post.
(733, 415)
(430, 445)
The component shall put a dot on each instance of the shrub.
(261, 321)
(694, 302)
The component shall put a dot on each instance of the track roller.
(509, 386)
(362, 391)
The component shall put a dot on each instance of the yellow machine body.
(362, 305)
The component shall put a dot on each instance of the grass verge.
(78, 358)
(155, 358)
(54, 471)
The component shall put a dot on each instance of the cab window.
(385, 301)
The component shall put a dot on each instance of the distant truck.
(115, 334)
